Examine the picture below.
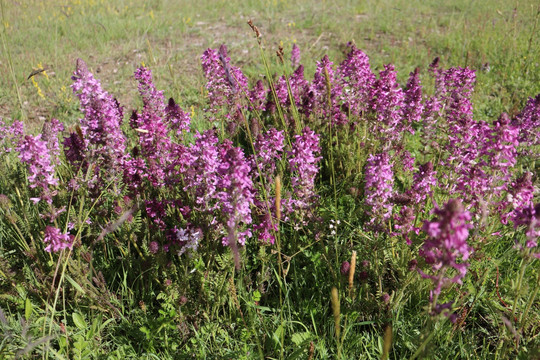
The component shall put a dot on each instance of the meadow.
(269, 179)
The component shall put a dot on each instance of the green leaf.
(256, 295)
(75, 285)
(78, 319)
(300, 337)
(28, 308)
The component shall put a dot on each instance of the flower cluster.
(446, 247)
(530, 218)
(357, 80)
(295, 56)
(56, 240)
(238, 195)
(303, 161)
(226, 84)
(378, 189)
(413, 106)
(299, 88)
(387, 103)
(41, 169)
(155, 144)
(528, 123)
(325, 93)
(104, 143)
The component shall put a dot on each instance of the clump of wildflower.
(156, 146)
(325, 93)
(257, 96)
(299, 88)
(387, 104)
(56, 240)
(424, 180)
(268, 150)
(528, 123)
(295, 56)
(34, 152)
(303, 162)
(520, 196)
(188, 239)
(238, 197)
(226, 84)
(100, 126)
(357, 80)
(530, 218)
(413, 107)
(379, 180)
(446, 247)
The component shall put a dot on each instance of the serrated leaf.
(300, 337)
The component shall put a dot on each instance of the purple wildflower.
(201, 175)
(528, 123)
(299, 87)
(153, 247)
(177, 119)
(345, 267)
(55, 240)
(413, 106)
(74, 149)
(226, 84)
(357, 80)
(501, 146)
(10, 134)
(238, 195)
(268, 151)
(378, 189)
(257, 96)
(446, 244)
(387, 103)
(34, 152)
(295, 56)
(49, 134)
(156, 145)
(530, 218)
(520, 196)
(424, 180)
(325, 93)
(101, 123)
(303, 163)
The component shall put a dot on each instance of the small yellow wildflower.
(36, 85)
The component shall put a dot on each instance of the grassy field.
(499, 39)
(372, 238)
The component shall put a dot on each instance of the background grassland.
(498, 38)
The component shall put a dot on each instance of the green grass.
(115, 37)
